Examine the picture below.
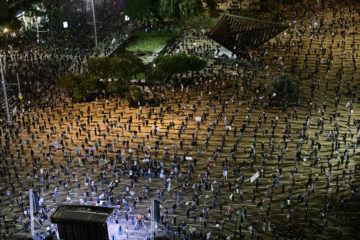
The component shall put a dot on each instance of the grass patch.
(138, 76)
(147, 44)
(150, 41)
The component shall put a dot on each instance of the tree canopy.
(285, 88)
(83, 87)
(179, 10)
(212, 6)
(140, 9)
(169, 10)
(4, 10)
(179, 63)
(99, 66)
(135, 97)
(68, 81)
(123, 66)
(118, 87)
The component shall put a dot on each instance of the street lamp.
(93, 13)
(5, 95)
(280, 3)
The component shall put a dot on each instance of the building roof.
(238, 33)
(81, 214)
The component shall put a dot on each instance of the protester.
(245, 169)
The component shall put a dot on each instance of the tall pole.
(37, 30)
(32, 229)
(5, 95)
(17, 76)
(152, 210)
(20, 96)
(280, 3)
(94, 19)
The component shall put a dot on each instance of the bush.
(155, 75)
(68, 82)
(123, 66)
(80, 94)
(118, 88)
(127, 64)
(177, 63)
(91, 84)
(101, 66)
(83, 87)
(135, 97)
(86, 87)
(196, 64)
(285, 88)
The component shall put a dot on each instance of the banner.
(14, 110)
(255, 176)
(169, 186)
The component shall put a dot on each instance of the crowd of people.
(36, 65)
(223, 161)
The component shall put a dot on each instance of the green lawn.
(138, 76)
(148, 44)
(150, 41)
